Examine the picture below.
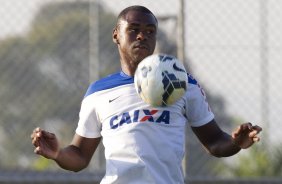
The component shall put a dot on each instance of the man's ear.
(115, 36)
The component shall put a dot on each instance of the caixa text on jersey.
(141, 116)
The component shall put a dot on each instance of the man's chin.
(141, 55)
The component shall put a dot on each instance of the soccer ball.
(160, 80)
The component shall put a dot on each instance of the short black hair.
(139, 8)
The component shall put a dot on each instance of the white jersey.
(143, 144)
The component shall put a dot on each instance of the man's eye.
(133, 30)
(150, 31)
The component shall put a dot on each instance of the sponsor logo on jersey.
(140, 116)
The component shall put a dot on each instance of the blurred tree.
(257, 162)
(41, 72)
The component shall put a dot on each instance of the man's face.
(136, 36)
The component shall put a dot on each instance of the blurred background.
(51, 50)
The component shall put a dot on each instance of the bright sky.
(16, 16)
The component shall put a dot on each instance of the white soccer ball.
(160, 80)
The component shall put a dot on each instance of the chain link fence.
(51, 50)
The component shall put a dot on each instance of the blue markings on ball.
(170, 82)
(164, 58)
(145, 71)
(175, 67)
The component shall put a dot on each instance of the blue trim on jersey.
(111, 81)
(191, 80)
(119, 79)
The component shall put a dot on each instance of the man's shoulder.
(108, 82)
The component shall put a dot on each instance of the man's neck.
(129, 67)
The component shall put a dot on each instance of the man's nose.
(142, 36)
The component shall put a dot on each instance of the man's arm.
(78, 154)
(220, 144)
(74, 157)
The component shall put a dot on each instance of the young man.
(139, 146)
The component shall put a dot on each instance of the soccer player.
(143, 144)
